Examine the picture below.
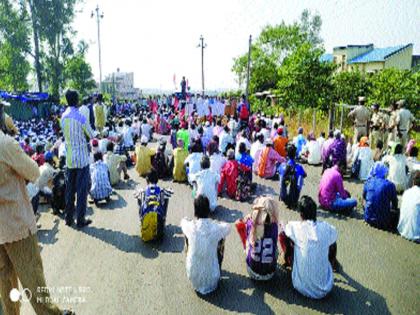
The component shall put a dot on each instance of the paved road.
(106, 269)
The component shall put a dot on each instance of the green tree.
(390, 85)
(304, 80)
(348, 85)
(271, 48)
(78, 73)
(14, 45)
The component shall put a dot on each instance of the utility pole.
(99, 16)
(248, 68)
(202, 46)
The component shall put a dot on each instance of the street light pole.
(202, 46)
(99, 16)
(248, 68)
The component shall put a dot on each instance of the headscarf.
(363, 142)
(410, 145)
(263, 206)
(379, 170)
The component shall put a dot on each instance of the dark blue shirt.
(379, 193)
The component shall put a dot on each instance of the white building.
(121, 85)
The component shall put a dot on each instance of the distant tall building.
(367, 58)
(121, 85)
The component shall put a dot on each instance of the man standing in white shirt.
(310, 247)
(204, 239)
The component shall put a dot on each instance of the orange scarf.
(263, 162)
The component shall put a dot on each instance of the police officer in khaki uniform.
(360, 116)
(376, 126)
(393, 125)
(405, 122)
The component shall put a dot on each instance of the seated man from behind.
(116, 164)
(332, 195)
(204, 252)
(144, 157)
(310, 248)
(206, 182)
(409, 222)
(292, 176)
(100, 185)
(45, 181)
(379, 194)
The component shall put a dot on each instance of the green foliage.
(55, 18)
(14, 45)
(273, 47)
(390, 85)
(348, 86)
(78, 73)
(303, 79)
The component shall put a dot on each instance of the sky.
(156, 39)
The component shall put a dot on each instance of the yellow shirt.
(180, 155)
(17, 219)
(99, 112)
(113, 161)
(144, 162)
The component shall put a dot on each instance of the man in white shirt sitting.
(311, 151)
(204, 239)
(409, 222)
(310, 248)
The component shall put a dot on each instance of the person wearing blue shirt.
(378, 194)
(292, 177)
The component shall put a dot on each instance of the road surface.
(106, 269)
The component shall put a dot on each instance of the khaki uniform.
(361, 117)
(405, 121)
(384, 133)
(392, 127)
(375, 129)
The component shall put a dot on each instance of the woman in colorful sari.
(266, 161)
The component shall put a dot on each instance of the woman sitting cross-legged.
(259, 233)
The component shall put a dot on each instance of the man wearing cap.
(77, 132)
(376, 126)
(144, 157)
(405, 122)
(361, 116)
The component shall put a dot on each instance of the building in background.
(121, 85)
(368, 59)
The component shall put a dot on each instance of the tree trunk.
(36, 45)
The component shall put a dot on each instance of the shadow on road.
(347, 297)
(227, 215)
(113, 204)
(123, 242)
(173, 240)
(49, 237)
